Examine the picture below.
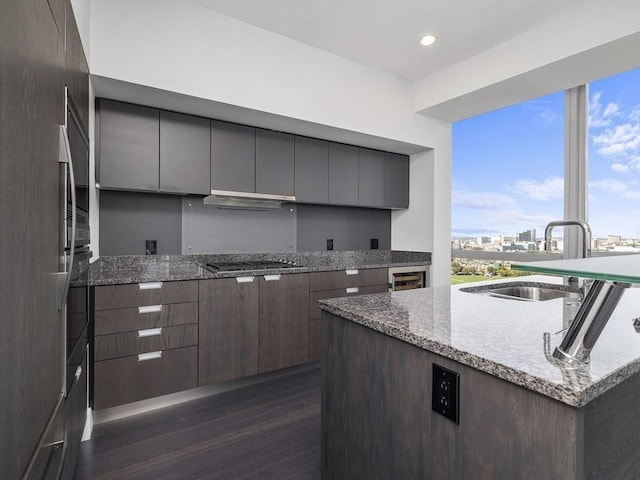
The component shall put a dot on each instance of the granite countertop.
(114, 270)
(503, 337)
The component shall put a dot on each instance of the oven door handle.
(66, 159)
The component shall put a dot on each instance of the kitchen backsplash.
(183, 225)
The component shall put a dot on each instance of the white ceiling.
(384, 34)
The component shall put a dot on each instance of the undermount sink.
(525, 291)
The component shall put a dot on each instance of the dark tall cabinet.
(185, 148)
(233, 157)
(311, 170)
(371, 178)
(128, 147)
(343, 174)
(274, 162)
(31, 329)
(396, 186)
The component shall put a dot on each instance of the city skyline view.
(507, 169)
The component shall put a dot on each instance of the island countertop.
(503, 337)
(123, 269)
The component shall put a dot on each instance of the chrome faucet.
(586, 234)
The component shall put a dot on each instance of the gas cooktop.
(251, 265)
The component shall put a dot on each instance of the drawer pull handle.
(150, 309)
(351, 272)
(150, 286)
(149, 332)
(271, 278)
(143, 357)
(244, 279)
(352, 290)
(78, 373)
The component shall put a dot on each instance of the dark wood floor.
(269, 430)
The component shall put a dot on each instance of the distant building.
(527, 236)
(483, 240)
(614, 238)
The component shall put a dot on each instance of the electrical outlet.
(151, 247)
(329, 243)
(373, 244)
(446, 393)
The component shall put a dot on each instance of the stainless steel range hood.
(246, 200)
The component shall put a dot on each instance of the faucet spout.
(584, 227)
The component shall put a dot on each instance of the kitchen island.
(521, 415)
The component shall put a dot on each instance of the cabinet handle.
(244, 279)
(271, 278)
(78, 373)
(351, 272)
(150, 286)
(150, 309)
(352, 290)
(150, 332)
(143, 357)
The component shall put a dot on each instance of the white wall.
(181, 47)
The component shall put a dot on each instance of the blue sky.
(508, 164)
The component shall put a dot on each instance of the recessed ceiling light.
(428, 40)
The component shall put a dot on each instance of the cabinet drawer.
(148, 340)
(138, 318)
(314, 310)
(319, 281)
(125, 380)
(139, 294)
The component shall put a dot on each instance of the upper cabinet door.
(185, 153)
(371, 172)
(233, 157)
(311, 170)
(129, 146)
(274, 162)
(396, 187)
(76, 68)
(343, 174)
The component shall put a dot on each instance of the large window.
(508, 174)
(614, 162)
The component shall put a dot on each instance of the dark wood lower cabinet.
(284, 321)
(75, 414)
(377, 421)
(129, 379)
(228, 331)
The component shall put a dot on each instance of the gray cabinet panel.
(31, 340)
(129, 149)
(76, 67)
(396, 188)
(233, 157)
(311, 170)
(274, 162)
(343, 174)
(371, 178)
(185, 153)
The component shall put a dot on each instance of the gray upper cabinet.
(343, 174)
(311, 170)
(274, 162)
(129, 146)
(233, 157)
(371, 178)
(185, 153)
(396, 185)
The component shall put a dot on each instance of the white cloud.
(471, 199)
(622, 189)
(619, 167)
(551, 188)
(618, 141)
(599, 115)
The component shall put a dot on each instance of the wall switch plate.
(446, 393)
(329, 243)
(151, 247)
(373, 244)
